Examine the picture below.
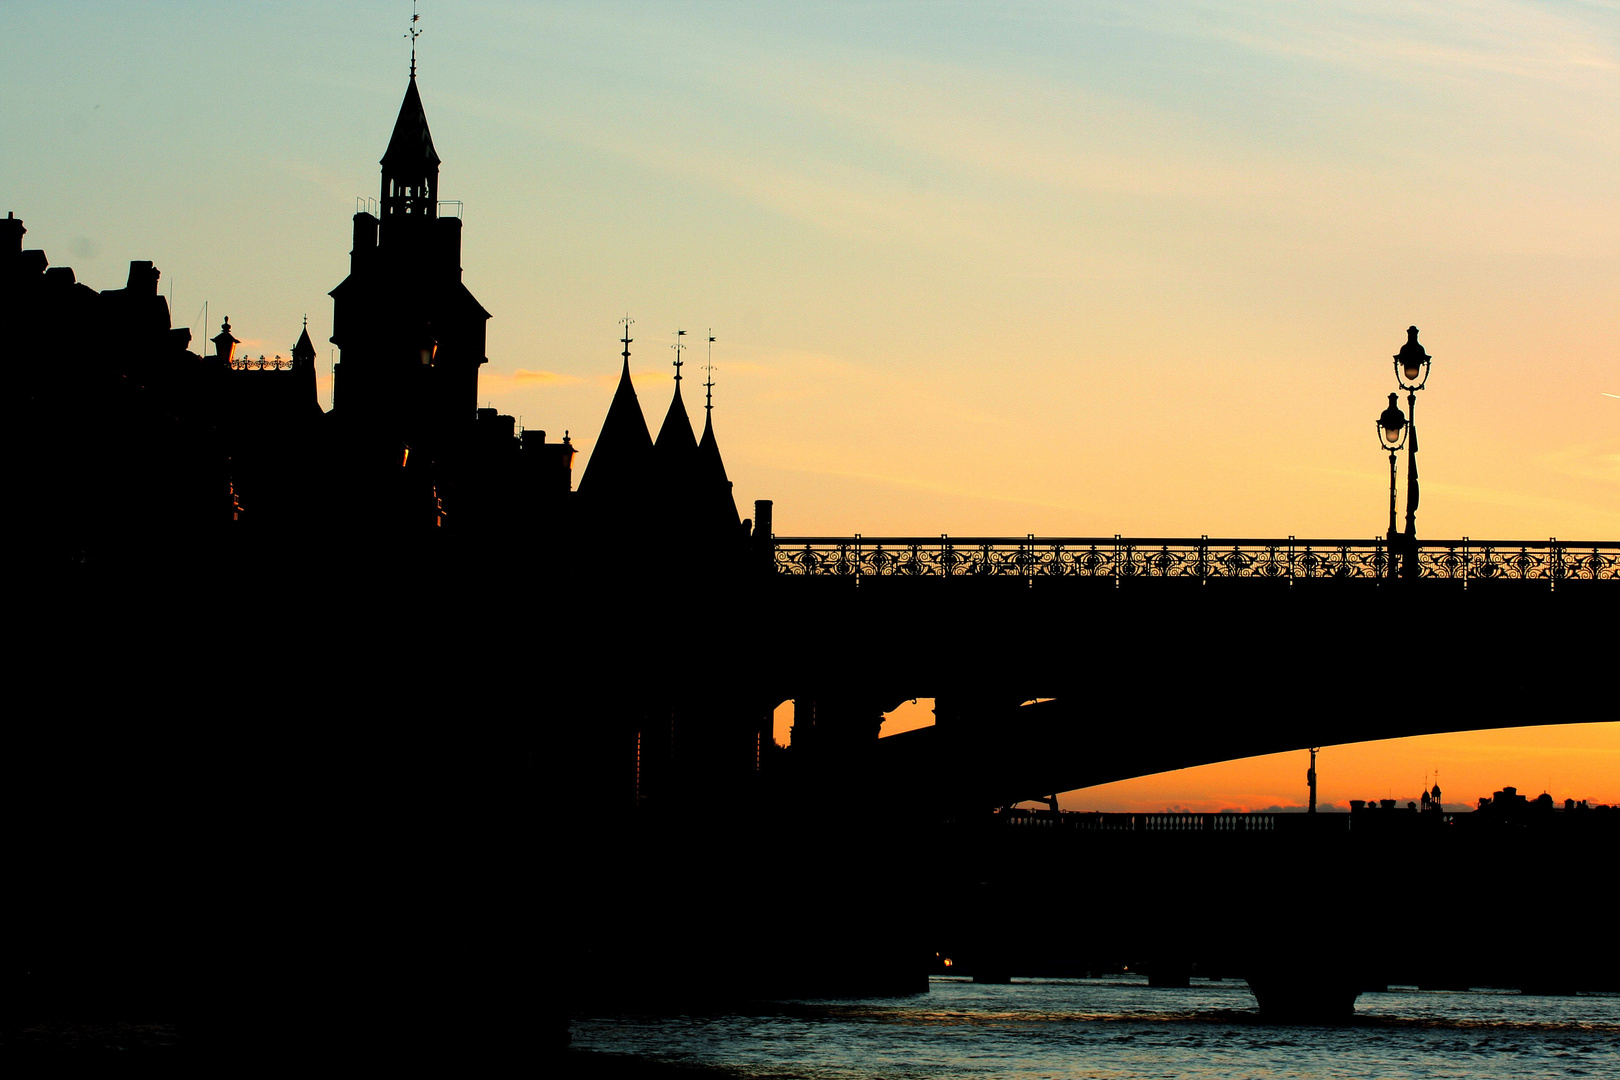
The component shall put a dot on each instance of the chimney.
(448, 239)
(11, 234)
(143, 278)
(365, 241)
(764, 541)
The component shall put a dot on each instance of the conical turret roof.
(712, 475)
(622, 459)
(412, 142)
(680, 494)
(675, 440)
(714, 469)
(304, 349)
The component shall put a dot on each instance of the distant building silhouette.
(404, 450)
(146, 473)
(675, 487)
(412, 334)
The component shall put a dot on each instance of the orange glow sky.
(1069, 269)
(1577, 761)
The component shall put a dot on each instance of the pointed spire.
(413, 33)
(304, 349)
(621, 462)
(677, 449)
(410, 150)
(708, 448)
(714, 468)
(411, 145)
(676, 434)
(718, 507)
(708, 386)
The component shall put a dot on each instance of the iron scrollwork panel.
(1204, 560)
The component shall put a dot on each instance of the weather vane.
(627, 322)
(413, 33)
(679, 346)
(708, 387)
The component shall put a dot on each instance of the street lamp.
(1411, 372)
(1412, 363)
(1310, 779)
(1391, 424)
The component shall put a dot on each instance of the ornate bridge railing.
(1202, 558)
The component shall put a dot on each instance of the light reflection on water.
(1122, 1028)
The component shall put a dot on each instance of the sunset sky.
(1569, 761)
(1066, 269)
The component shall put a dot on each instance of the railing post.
(1555, 564)
(1116, 559)
(1290, 562)
(857, 560)
(1468, 563)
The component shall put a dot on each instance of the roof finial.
(626, 322)
(679, 346)
(708, 387)
(413, 33)
(306, 324)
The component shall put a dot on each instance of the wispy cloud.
(523, 377)
(1417, 40)
(495, 383)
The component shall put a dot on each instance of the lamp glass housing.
(1412, 363)
(1392, 426)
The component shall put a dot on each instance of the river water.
(1122, 1029)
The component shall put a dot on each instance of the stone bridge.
(1063, 663)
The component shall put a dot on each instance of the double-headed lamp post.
(1392, 433)
(1411, 372)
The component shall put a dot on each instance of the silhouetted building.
(411, 334)
(148, 476)
(245, 444)
(272, 429)
(275, 392)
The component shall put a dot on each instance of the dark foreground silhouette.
(360, 727)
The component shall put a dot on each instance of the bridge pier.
(1169, 971)
(830, 725)
(1305, 994)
